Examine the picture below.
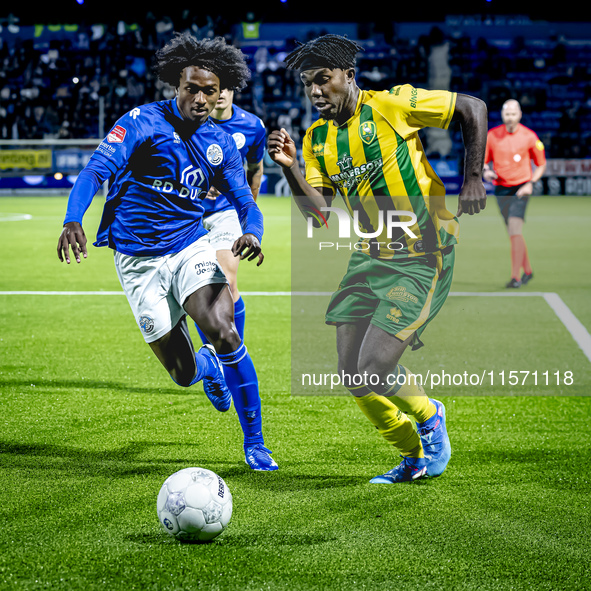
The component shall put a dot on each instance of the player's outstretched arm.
(283, 151)
(472, 115)
(282, 148)
(73, 237)
(94, 174)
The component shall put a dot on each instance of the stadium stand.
(74, 81)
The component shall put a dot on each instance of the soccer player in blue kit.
(220, 218)
(161, 159)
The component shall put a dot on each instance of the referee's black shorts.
(510, 205)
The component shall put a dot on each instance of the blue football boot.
(258, 457)
(215, 386)
(409, 470)
(435, 441)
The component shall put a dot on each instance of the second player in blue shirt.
(220, 217)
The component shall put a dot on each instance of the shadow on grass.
(228, 539)
(119, 463)
(272, 540)
(289, 482)
(128, 461)
(42, 384)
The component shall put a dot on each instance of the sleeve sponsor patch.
(116, 135)
(540, 145)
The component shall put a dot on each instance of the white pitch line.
(120, 293)
(284, 293)
(497, 294)
(572, 323)
(65, 293)
(576, 329)
(574, 326)
(15, 217)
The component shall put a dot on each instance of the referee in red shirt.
(511, 148)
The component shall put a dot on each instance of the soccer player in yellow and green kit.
(365, 146)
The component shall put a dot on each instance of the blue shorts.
(510, 205)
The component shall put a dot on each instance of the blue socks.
(242, 380)
(240, 316)
(204, 367)
(243, 383)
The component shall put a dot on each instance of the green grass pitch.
(91, 425)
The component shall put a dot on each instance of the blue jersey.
(161, 169)
(249, 134)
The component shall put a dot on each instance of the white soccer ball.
(194, 505)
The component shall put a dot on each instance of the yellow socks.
(392, 424)
(387, 411)
(409, 395)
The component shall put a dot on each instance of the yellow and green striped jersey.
(377, 163)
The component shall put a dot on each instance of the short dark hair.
(227, 62)
(328, 51)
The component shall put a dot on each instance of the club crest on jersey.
(116, 135)
(214, 154)
(239, 139)
(367, 132)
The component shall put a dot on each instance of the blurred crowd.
(77, 87)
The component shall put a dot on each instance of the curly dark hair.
(329, 51)
(227, 62)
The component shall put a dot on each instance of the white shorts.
(157, 287)
(224, 229)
